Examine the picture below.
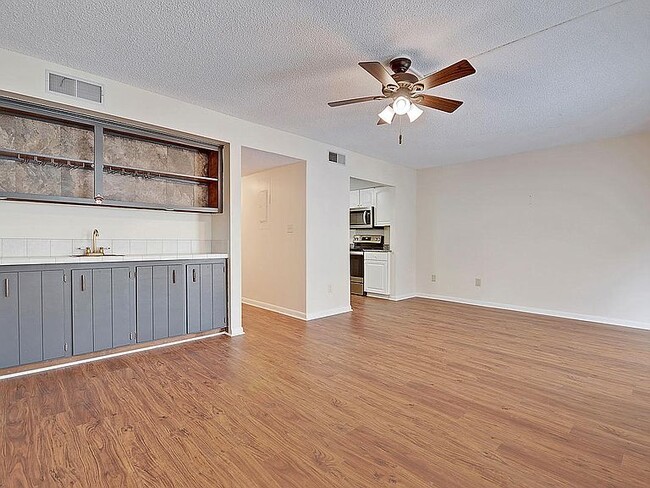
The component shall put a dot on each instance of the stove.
(367, 242)
(361, 243)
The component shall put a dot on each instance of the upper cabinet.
(384, 205)
(367, 197)
(382, 198)
(362, 198)
(48, 155)
(354, 198)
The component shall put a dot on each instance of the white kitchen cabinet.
(367, 197)
(354, 198)
(384, 205)
(376, 270)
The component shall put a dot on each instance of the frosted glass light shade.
(414, 112)
(387, 114)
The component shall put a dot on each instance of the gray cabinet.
(51, 311)
(219, 294)
(193, 298)
(160, 302)
(32, 317)
(206, 296)
(101, 309)
(9, 353)
(177, 300)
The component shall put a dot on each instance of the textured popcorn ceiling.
(279, 63)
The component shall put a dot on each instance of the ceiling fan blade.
(450, 73)
(350, 101)
(377, 70)
(382, 122)
(444, 104)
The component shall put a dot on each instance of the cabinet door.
(30, 317)
(384, 204)
(9, 320)
(160, 303)
(121, 293)
(193, 299)
(177, 294)
(354, 198)
(54, 305)
(367, 197)
(207, 312)
(144, 303)
(82, 311)
(376, 277)
(102, 309)
(219, 295)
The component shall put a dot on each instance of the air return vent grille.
(337, 158)
(75, 88)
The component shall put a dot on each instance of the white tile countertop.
(106, 259)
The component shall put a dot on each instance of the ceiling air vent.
(337, 158)
(74, 88)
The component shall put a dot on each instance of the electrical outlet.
(329, 288)
(290, 229)
(433, 278)
(477, 282)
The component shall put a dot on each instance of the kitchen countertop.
(5, 261)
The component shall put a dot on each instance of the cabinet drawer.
(375, 256)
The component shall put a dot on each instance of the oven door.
(356, 272)
(361, 218)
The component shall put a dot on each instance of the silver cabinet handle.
(173, 276)
(83, 283)
(194, 275)
(6, 287)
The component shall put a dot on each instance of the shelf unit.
(209, 184)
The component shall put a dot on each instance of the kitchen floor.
(416, 393)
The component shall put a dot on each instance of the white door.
(354, 198)
(376, 277)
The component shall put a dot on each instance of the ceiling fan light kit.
(404, 89)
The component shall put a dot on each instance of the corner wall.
(564, 231)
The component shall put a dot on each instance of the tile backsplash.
(15, 248)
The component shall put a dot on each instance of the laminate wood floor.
(417, 393)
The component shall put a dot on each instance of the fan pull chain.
(399, 139)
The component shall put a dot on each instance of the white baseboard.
(541, 311)
(274, 308)
(397, 298)
(328, 313)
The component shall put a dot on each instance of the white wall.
(327, 266)
(564, 231)
(273, 236)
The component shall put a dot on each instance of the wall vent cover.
(75, 88)
(337, 158)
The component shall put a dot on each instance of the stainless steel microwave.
(362, 218)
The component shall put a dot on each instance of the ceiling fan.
(405, 89)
